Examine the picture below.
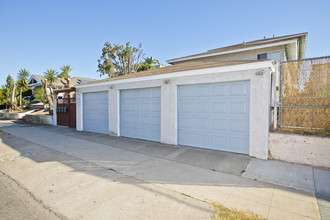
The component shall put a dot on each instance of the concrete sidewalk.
(190, 175)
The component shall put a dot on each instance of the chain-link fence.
(305, 94)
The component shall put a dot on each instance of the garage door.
(214, 116)
(95, 112)
(140, 113)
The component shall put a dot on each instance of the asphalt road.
(17, 203)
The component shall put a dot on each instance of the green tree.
(5, 96)
(5, 92)
(23, 74)
(65, 70)
(117, 60)
(39, 94)
(148, 63)
(11, 85)
(9, 81)
(51, 76)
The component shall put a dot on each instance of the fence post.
(277, 92)
(54, 112)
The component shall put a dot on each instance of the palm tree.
(51, 76)
(23, 74)
(66, 69)
(148, 63)
(65, 72)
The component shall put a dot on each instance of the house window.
(276, 56)
(32, 81)
(262, 56)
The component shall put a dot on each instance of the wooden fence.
(305, 94)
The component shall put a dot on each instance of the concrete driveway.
(94, 176)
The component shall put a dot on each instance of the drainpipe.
(277, 92)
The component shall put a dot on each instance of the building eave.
(187, 73)
(173, 61)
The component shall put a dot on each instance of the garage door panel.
(186, 107)
(202, 90)
(156, 121)
(148, 133)
(187, 122)
(150, 106)
(95, 112)
(218, 141)
(149, 120)
(202, 107)
(219, 124)
(203, 124)
(238, 125)
(156, 107)
(140, 113)
(239, 90)
(219, 107)
(203, 139)
(216, 117)
(187, 137)
(129, 118)
(239, 107)
(219, 90)
(188, 92)
(236, 144)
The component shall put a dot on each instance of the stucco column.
(54, 112)
(168, 112)
(259, 117)
(79, 119)
(113, 111)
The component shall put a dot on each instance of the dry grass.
(223, 213)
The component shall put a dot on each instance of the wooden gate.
(66, 112)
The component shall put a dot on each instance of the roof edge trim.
(219, 69)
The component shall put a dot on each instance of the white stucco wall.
(245, 55)
(304, 149)
(259, 99)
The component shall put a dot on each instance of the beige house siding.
(246, 55)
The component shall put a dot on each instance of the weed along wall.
(222, 107)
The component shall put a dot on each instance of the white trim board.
(221, 69)
(233, 51)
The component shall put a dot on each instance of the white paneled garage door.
(215, 116)
(95, 112)
(140, 113)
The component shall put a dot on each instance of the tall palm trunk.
(48, 95)
(12, 106)
(20, 97)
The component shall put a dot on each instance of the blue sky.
(39, 35)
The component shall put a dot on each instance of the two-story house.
(284, 48)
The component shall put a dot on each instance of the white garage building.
(221, 105)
